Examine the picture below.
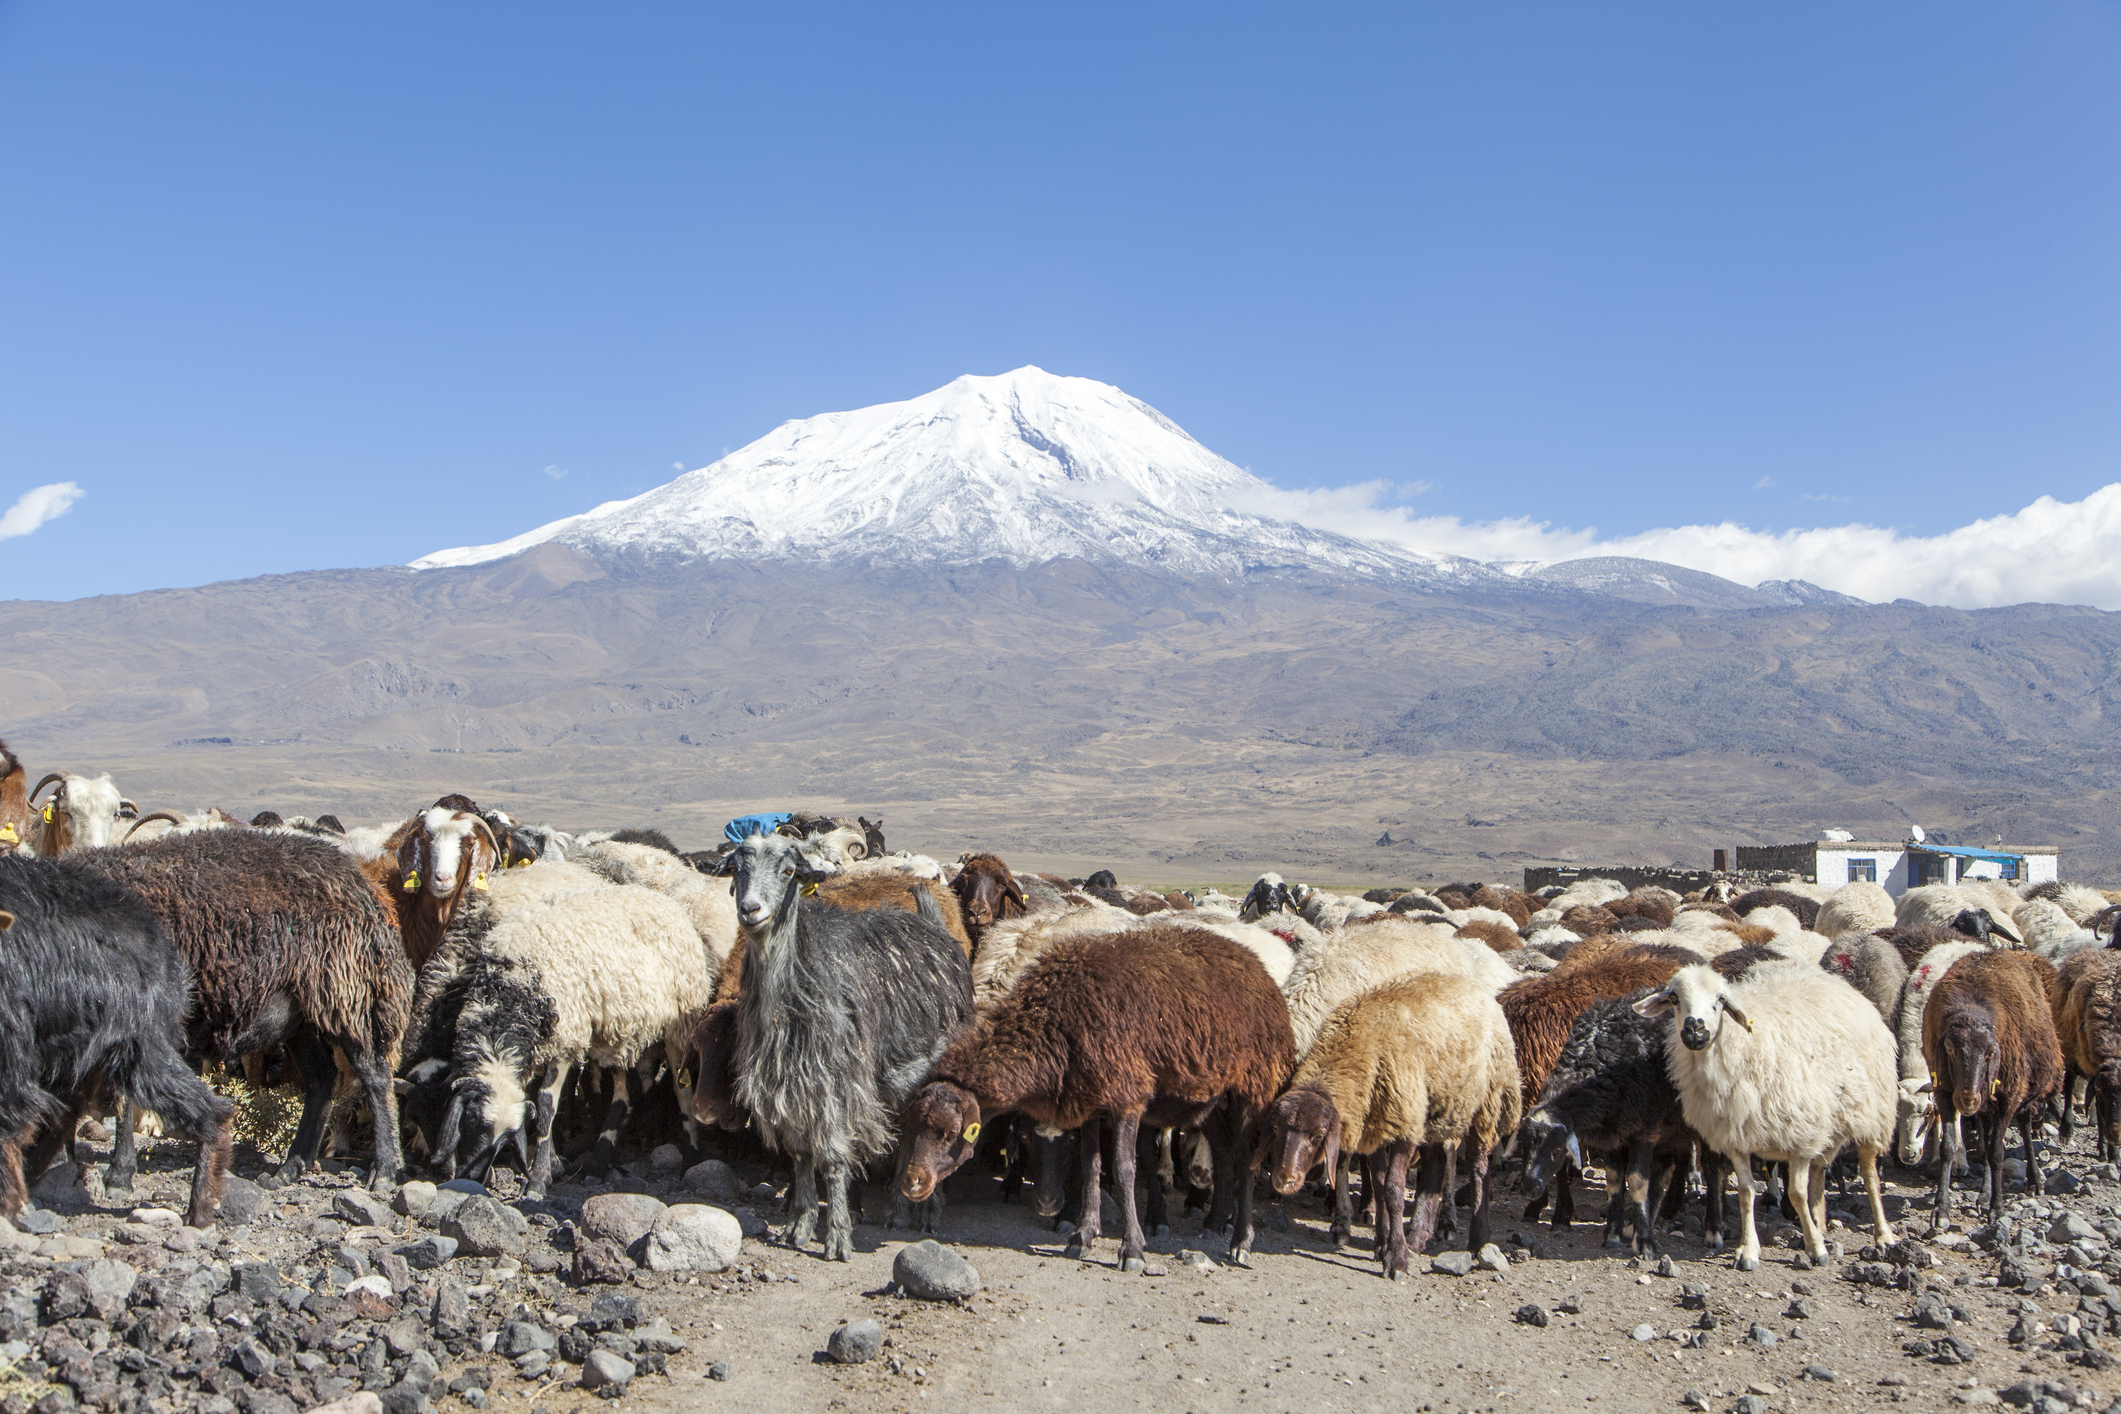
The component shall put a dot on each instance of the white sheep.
(1787, 1063)
(2080, 903)
(707, 901)
(1936, 905)
(1857, 907)
(1352, 960)
(2049, 930)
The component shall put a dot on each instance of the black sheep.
(93, 998)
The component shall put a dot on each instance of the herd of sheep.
(459, 989)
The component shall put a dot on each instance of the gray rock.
(1800, 1309)
(2071, 1227)
(1820, 1373)
(534, 1365)
(1452, 1264)
(37, 1222)
(404, 1397)
(1491, 1258)
(482, 1228)
(1665, 1268)
(601, 1260)
(1196, 1259)
(1693, 1296)
(751, 1222)
(665, 1158)
(1750, 1404)
(522, 1337)
(252, 1361)
(656, 1335)
(929, 1271)
(422, 1369)
(360, 1208)
(855, 1342)
(110, 1285)
(715, 1180)
(363, 1402)
(1932, 1313)
(690, 1237)
(614, 1311)
(1644, 1332)
(403, 1336)
(414, 1199)
(2062, 1181)
(1763, 1337)
(451, 1314)
(1530, 1314)
(623, 1218)
(241, 1201)
(260, 1281)
(429, 1252)
(604, 1368)
(719, 1370)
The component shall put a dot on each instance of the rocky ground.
(658, 1289)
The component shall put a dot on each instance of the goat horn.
(487, 830)
(54, 776)
(170, 815)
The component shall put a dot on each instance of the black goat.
(92, 999)
(841, 1016)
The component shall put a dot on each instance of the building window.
(1863, 871)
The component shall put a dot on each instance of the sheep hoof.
(1747, 1264)
(1077, 1247)
(1132, 1264)
(1240, 1258)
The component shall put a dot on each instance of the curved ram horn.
(170, 815)
(58, 776)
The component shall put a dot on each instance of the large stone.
(604, 1367)
(666, 1158)
(2071, 1227)
(601, 1260)
(1491, 1258)
(429, 1252)
(1452, 1264)
(414, 1199)
(929, 1271)
(624, 1218)
(361, 1208)
(716, 1180)
(692, 1237)
(482, 1228)
(855, 1342)
(613, 1311)
(110, 1286)
(451, 1313)
(65, 1297)
(522, 1337)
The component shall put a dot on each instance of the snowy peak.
(1026, 466)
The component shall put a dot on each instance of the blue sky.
(288, 287)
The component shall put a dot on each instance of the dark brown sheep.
(1914, 943)
(1585, 919)
(707, 1067)
(1164, 1026)
(987, 892)
(291, 945)
(1807, 910)
(17, 820)
(862, 893)
(1655, 906)
(2087, 1008)
(1988, 1034)
(1504, 901)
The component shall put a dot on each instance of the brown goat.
(1988, 1034)
(290, 944)
(1542, 1009)
(17, 820)
(987, 892)
(2087, 1008)
(430, 864)
(863, 893)
(1494, 935)
(1164, 1026)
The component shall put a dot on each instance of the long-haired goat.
(841, 1016)
(1988, 1033)
(2087, 1007)
(93, 994)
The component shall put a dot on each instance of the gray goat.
(841, 1019)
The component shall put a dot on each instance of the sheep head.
(448, 852)
(1549, 1144)
(1968, 1061)
(1979, 924)
(988, 891)
(941, 1124)
(82, 812)
(767, 874)
(1300, 1129)
(1698, 1000)
(1917, 1116)
(1269, 894)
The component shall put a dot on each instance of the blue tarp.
(763, 824)
(1967, 852)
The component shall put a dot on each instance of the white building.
(1904, 865)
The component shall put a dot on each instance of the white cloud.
(557, 473)
(36, 506)
(2052, 551)
(1764, 483)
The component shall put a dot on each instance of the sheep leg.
(839, 1223)
(1565, 1197)
(312, 1056)
(548, 1108)
(1153, 1185)
(14, 1188)
(802, 1200)
(1995, 1138)
(166, 1085)
(125, 1149)
(1447, 1211)
(1343, 1214)
(1083, 1240)
(1950, 1141)
(375, 1078)
(2032, 1163)
(1641, 1160)
(599, 1161)
(2069, 1098)
(1242, 1177)
(1126, 1135)
(1391, 1240)
(1429, 1197)
(1712, 1202)
(1478, 1221)
(1867, 1160)
(1748, 1190)
(1802, 1178)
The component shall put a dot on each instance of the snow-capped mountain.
(1025, 467)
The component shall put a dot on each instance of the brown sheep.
(1585, 919)
(987, 892)
(2087, 1009)
(861, 893)
(1505, 901)
(1541, 1010)
(1806, 909)
(1494, 935)
(1164, 1026)
(1654, 906)
(1988, 1034)
(17, 819)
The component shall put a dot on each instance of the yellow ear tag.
(972, 1132)
(47, 814)
(8, 835)
(412, 881)
(479, 883)
(520, 864)
(684, 1080)
(1995, 1087)
(810, 891)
